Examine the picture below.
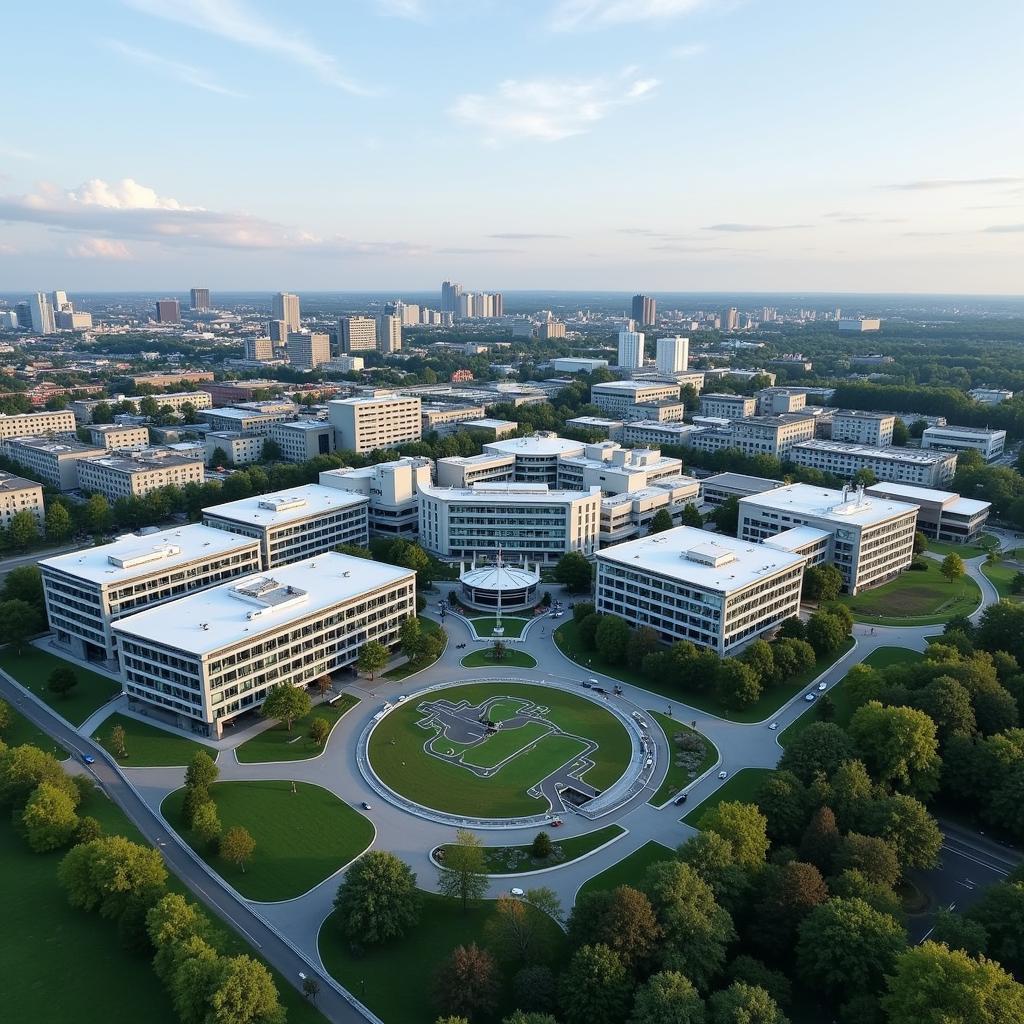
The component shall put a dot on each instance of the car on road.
(516, 891)
(773, 726)
(809, 697)
(366, 806)
(88, 759)
(723, 774)
(822, 686)
(681, 799)
(401, 697)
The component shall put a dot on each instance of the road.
(7, 564)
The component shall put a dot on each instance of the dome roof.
(504, 577)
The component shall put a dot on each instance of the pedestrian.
(670, 711)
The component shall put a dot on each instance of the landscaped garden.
(510, 658)
(33, 669)
(399, 755)
(628, 871)
(486, 624)
(985, 543)
(741, 787)
(915, 598)
(278, 743)
(20, 730)
(692, 755)
(1002, 577)
(144, 745)
(511, 860)
(303, 834)
(428, 626)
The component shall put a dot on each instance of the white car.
(401, 697)
(809, 697)
(723, 774)
(822, 687)
(773, 726)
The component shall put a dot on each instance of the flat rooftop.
(231, 413)
(136, 555)
(949, 500)
(489, 423)
(798, 537)
(58, 448)
(668, 428)
(303, 425)
(112, 428)
(915, 456)
(511, 491)
(709, 561)
(12, 482)
(143, 464)
(536, 444)
(595, 421)
(826, 503)
(291, 505)
(720, 397)
(372, 400)
(862, 414)
(951, 429)
(755, 483)
(631, 385)
(250, 606)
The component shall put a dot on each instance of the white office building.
(777, 401)
(17, 494)
(393, 490)
(728, 407)
(536, 457)
(134, 476)
(87, 590)
(45, 423)
(577, 364)
(941, 515)
(238, 449)
(389, 333)
(617, 397)
(370, 422)
(628, 515)
(616, 470)
(658, 433)
(119, 437)
(285, 309)
(358, 334)
(672, 355)
(631, 350)
(991, 443)
(302, 440)
(899, 465)
(53, 462)
(197, 400)
(308, 351)
(466, 470)
(718, 489)
(211, 656)
(990, 396)
(854, 426)
(758, 435)
(41, 309)
(717, 592)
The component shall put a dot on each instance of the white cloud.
(233, 20)
(573, 14)
(549, 109)
(187, 73)
(688, 50)
(126, 194)
(755, 227)
(412, 9)
(100, 249)
(930, 184)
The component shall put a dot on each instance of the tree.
(727, 516)
(18, 621)
(6, 715)
(219, 458)
(574, 572)
(820, 748)
(23, 529)
(49, 819)
(25, 583)
(58, 523)
(271, 451)
(899, 745)
(948, 704)
(201, 772)
(373, 656)
(737, 684)
(515, 932)
(581, 609)
(467, 982)
(238, 990)
(785, 803)
(743, 827)
(595, 987)
(97, 516)
(741, 1003)
(520, 1017)
(319, 730)
(24, 767)
(464, 875)
(904, 822)
(870, 855)
(959, 932)
(206, 823)
(1000, 911)
(822, 583)
(170, 923)
(311, 989)
(378, 899)
(62, 681)
(237, 846)
(286, 703)
(900, 434)
(661, 521)
(932, 984)
(667, 998)
(920, 543)
(533, 988)
(952, 567)
(323, 684)
(118, 741)
(612, 639)
(691, 517)
(111, 873)
(820, 839)
(826, 633)
(790, 892)
(540, 848)
(621, 919)
(642, 641)
(761, 658)
(410, 638)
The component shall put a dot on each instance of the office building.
(278, 331)
(210, 656)
(296, 523)
(717, 592)
(168, 378)
(758, 435)
(392, 489)
(618, 396)
(610, 430)
(536, 457)
(86, 591)
(370, 422)
(644, 310)
(9, 320)
(357, 334)
(730, 319)
(576, 365)
(53, 462)
(259, 349)
(244, 421)
(718, 489)
(522, 520)
(119, 437)
(445, 418)
(450, 292)
(631, 350)
(69, 320)
(389, 334)
(941, 515)
(123, 476)
(302, 440)
(20, 495)
(991, 443)
(657, 432)
(82, 409)
(230, 448)
(860, 325)
(168, 311)
(672, 355)
(308, 351)
(285, 307)
(493, 429)
(854, 426)
(42, 314)
(628, 515)
(199, 299)
(898, 465)
(990, 396)
(465, 308)
(467, 470)
(44, 423)
(551, 329)
(344, 364)
(779, 401)
(727, 407)
(614, 469)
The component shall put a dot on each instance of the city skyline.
(788, 147)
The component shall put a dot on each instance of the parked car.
(681, 799)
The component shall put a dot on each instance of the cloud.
(523, 235)
(687, 51)
(568, 15)
(232, 20)
(186, 73)
(756, 227)
(929, 184)
(1004, 229)
(13, 153)
(411, 9)
(549, 109)
(460, 250)
(100, 249)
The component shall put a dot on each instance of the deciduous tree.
(319, 730)
(237, 846)
(464, 875)
(667, 998)
(286, 703)
(595, 987)
(62, 681)
(743, 827)
(744, 1004)
(373, 656)
(899, 745)
(110, 873)
(378, 899)
(49, 820)
(574, 572)
(952, 567)
(467, 982)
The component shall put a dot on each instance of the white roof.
(146, 554)
(793, 540)
(508, 577)
(973, 431)
(295, 503)
(536, 444)
(632, 385)
(596, 421)
(247, 607)
(825, 503)
(230, 413)
(304, 425)
(921, 458)
(507, 491)
(912, 493)
(491, 423)
(705, 560)
(667, 428)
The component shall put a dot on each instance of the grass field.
(396, 980)
(102, 981)
(505, 860)
(21, 730)
(484, 625)
(630, 870)
(679, 775)
(980, 547)
(1002, 578)
(567, 639)
(301, 837)
(32, 668)
(915, 599)
(402, 671)
(743, 786)
(396, 751)
(278, 744)
(511, 659)
(507, 743)
(149, 746)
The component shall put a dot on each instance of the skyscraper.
(644, 310)
(499, 304)
(199, 298)
(357, 334)
(731, 319)
(466, 305)
(389, 333)
(286, 307)
(631, 349)
(307, 351)
(450, 292)
(23, 311)
(168, 311)
(672, 355)
(61, 303)
(42, 314)
(278, 331)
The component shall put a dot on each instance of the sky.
(748, 145)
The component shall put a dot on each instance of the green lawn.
(484, 625)
(879, 658)
(32, 668)
(21, 730)
(628, 871)
(743, 786)
(1002, 579)
(915, 599)
(681, 775)
(301, 837)
(397, 754)
(395, 980)
(402, 671)
(980, 547)
(102, 981)
(278, 744)
(567, 639)
(149, 746)
(506, 860)
(511, 659)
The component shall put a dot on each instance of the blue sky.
(620, 144)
